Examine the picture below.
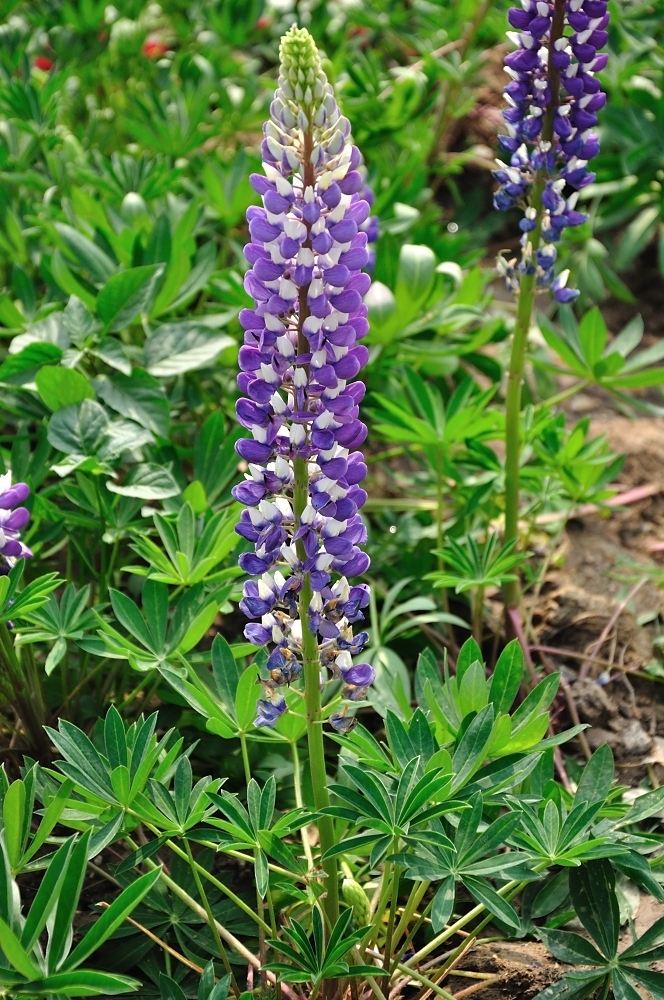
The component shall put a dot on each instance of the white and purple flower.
(553, 98)
(308, 254)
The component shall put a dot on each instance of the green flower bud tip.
(300, 59)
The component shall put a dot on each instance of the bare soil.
(601, 607)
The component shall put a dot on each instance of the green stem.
(28, 709)
(245, 758)
(477, 613)
(524, 312)
(510, 889)
(607, 987)
(311, 668)
(391, 918)
(195, 907)
(381, 896)
(299, 802)
(440, 515)
(417, 894)
(413, 930)
(564, 394)
(240, 903)
(210, 915)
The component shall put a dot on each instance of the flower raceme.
(13, 518)
(553, 98)
(301, 352)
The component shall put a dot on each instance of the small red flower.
(43, 62)
(263, 22)
(155, 48)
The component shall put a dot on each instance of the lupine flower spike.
(553, 98)
(301, 353)
(13, 518)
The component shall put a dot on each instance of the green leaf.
(593, 894)
(487, 895)
(80, 429)
(72, 882)
(415, 276)
(225, 670)
(129, 615)
(592, 336)
(246, 695)
(571, 948)
(114, 738)
(469, 653)
(146, 482)
(112, 917)
(127, 294)
(169, 989)
(198, 627)
(59, 387)
(597, 777)
(88, 254)
(47, 895)
(137, 397)
(15, 953)
(13, 813)
(443, 904)
(470, 752)
(175, 348)
(576, 986)
(26, 360)
(84, 983)
(507, 676)
(623, 989)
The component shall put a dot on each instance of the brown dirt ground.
(602, 605)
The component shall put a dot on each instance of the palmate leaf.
(623, 989)
(486, 895)
(573, 986)
(594, 899)
(571, 948)
(648, 948)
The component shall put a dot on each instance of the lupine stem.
(27, 709)
(211, 921)
(311, 668)
(217, 883)
(417, 894)
(451, 929)
(391, 918)
(311, 665)
(524, 312)
(299, 802)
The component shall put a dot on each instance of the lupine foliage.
(274, 441)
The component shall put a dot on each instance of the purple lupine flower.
(553, 98)
(13, 518)
(301, 352)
